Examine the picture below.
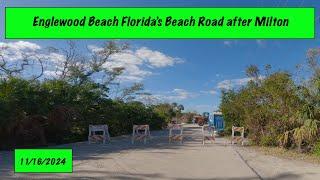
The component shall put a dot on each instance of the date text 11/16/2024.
(42, 161)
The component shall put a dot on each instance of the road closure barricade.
(173, 135)
(140, 132)
(93, 137)
(237, 139)
(208, 134)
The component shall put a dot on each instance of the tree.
(267, 108)
(130, 93)
(58, 109)
(169, 111)
(16, 66)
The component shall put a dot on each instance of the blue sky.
(192, 72)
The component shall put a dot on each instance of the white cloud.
(181, 94)
(133, 66)
(51, 73)
(227, 43)
(229, 84)
(15, 51)
(174, 95)
(54, 64)
(212, 92)
(94, 48)
(261, 43)
(156, 58)
(55, 57)
(127, 57)
(20, 45)
(230, 43)
(232, 83)
(138, 63)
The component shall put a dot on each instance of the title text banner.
(158, 23)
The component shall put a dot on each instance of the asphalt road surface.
(158, 159)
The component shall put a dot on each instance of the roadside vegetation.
(39, 110)
(278, 108)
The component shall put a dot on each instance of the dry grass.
(287, 154)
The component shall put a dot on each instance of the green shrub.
(268, 140)
(275, 109)
(316, 149)
(67, 111)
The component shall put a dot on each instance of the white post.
(89, 138)
(181, 133)
(145, 136)
(203, 135)
(133, 134)
(170, 134)
(232, 135)
(242, 136)
(108, 135)
(104, 136)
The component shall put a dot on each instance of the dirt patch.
(287, 154)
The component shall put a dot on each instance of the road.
(160, 160)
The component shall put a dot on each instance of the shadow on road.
(100, 175)
(83, 151)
